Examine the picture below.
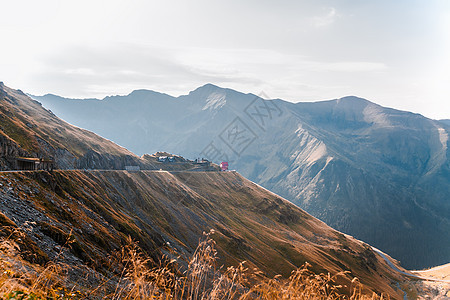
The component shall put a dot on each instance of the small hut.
(33, 164)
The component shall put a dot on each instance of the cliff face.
(9, 150)
(168, 212)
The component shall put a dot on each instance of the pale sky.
(394, 53)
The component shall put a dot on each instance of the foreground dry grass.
(200, 280)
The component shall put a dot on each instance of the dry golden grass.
(138, 280)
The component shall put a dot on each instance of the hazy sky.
(395, 53)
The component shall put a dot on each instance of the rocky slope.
(29, 130)
(379, 174)
(167, 212)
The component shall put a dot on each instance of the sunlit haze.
(394, 53)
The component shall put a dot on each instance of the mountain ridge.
(163, 211)
(328, 157)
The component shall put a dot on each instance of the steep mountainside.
(29, 130)
(379, 174)
(168, 212)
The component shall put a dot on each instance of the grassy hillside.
(31, 126)
(27, 129)
(168, 213)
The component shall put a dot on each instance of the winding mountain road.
(395, 268)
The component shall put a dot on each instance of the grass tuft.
(170, 278)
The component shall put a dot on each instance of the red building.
(224, 166)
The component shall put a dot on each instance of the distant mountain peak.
(208, 96)
(206, 89)
(51, 95)
(210, 86)
(144, 92)
(59, 98)
(139, 94)
(353, 99)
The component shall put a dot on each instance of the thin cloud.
(80, 71)
(326, 19)
(90, 71)
(353, 66)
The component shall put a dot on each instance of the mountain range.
(379, 174)
(81, 218)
